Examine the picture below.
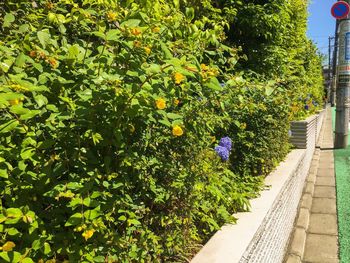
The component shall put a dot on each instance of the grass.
(342, 169)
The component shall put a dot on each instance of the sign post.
(340, 10)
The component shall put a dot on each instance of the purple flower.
(222, 152)
(306, 107)
(226, 142)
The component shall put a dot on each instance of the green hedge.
(110, 115)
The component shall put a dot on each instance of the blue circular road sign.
(340, 10)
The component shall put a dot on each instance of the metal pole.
(343, 86)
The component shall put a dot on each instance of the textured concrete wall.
(262, 234)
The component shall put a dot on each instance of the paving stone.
(325, 172)
(306, 201)
(324, 191)
(309, 188)
(325, 181)
(323, 224)
(324, 206)
(321, 249)
(303, 218)
(326, 164)
(298, 242)
(312, 177)
(293, 259)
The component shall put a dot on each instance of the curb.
(298, 236)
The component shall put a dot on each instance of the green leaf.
(47, 248)
(131, 23)
(11, 256)
(30, 114)
(12, 231)
(6, 64)
(213, 84)
(40, 100)
(174, 116)
(166, 52)
(27, 260)
(122, 218)
(134, 222)
(8, 20)
(19, 110)
(3, 173)
(26, 154)
(73, 51)
(91, 214)
(20, 60)
(113, 34)
(44, 37)
(14, 213)
(165, 122)
(96, 138)
(269, 90)
(74, 220)
(190, 13)
(8, 126)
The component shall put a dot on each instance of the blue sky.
(321, 24)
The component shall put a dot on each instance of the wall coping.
(231, 241)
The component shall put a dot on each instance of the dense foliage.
(111, 112)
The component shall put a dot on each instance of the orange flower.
(160, 103)
(32, 54)
(178, 77)
(53, 62)
(135, 31)
(177, 130)
(8, 246)
(156, 29)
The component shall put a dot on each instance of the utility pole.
(329, 85)
(334, 67)
(343, 85)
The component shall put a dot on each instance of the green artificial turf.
(342, 170)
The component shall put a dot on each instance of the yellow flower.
(160, 103)
(137, 43)
(8, 246)
(135, 31)
(176, 102)
(204, 67)
(178, 77)
(177, 130)
(156, 29)
(14, 102)
(88, 234)
(111, 16)
(147, 50)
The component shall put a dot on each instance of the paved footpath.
(315, 236)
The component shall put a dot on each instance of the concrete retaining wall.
(262, 234)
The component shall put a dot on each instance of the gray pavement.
(315, 235)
